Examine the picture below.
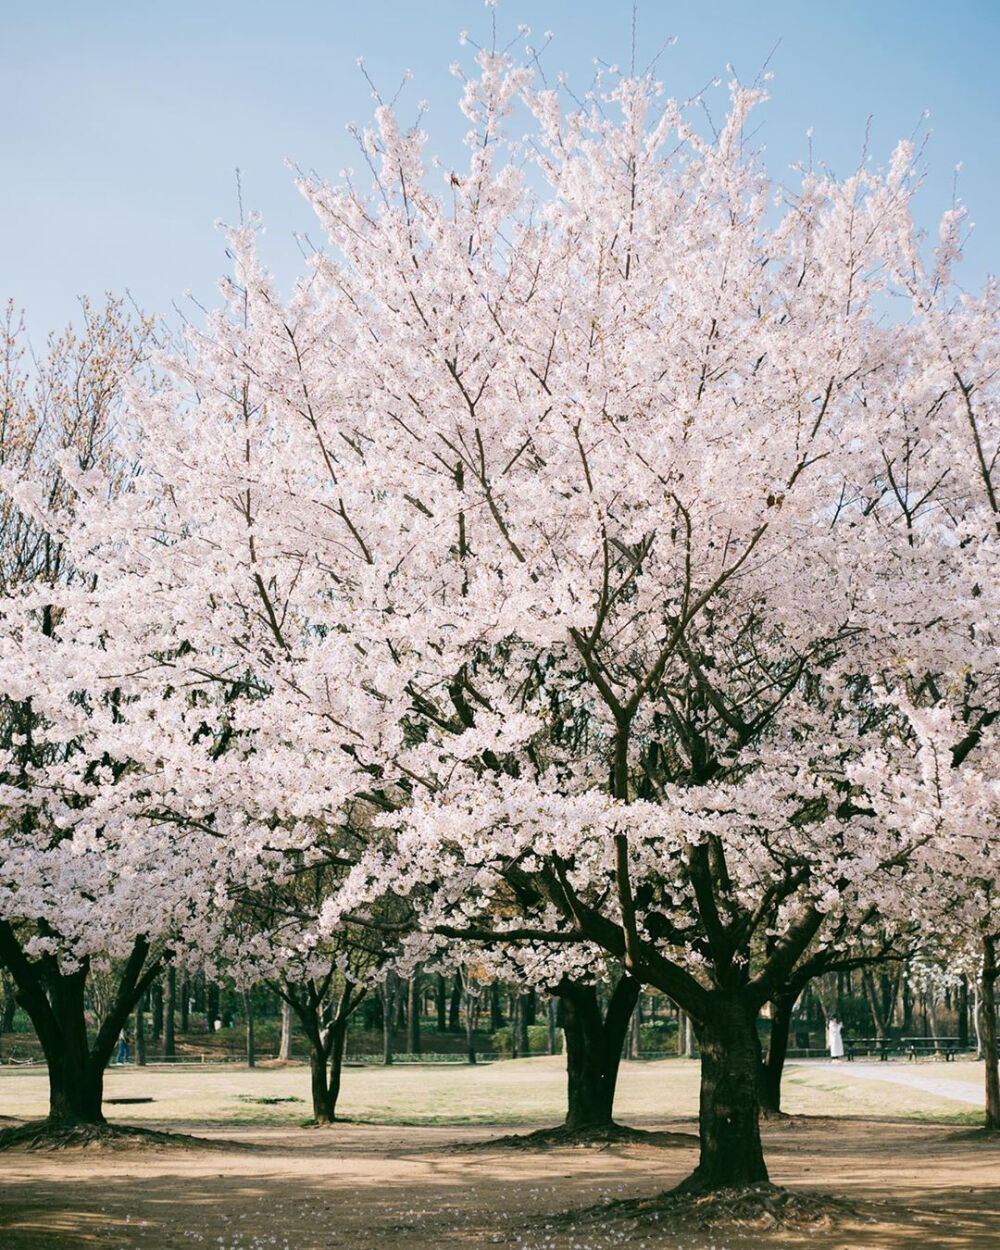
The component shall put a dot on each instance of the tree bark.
(169, 1007)
(211, 1004)
(140, 1035)
(326, 1041)
(441, 1002)
(593, 1049)
(455, 1005)
(285, 1045)
(772, 1066)
(471, 1019)
(524, 1008)
(248, 1016)
(156, 1010)
(729, 1111)
(413, 1014)
(496, 1014)
(963, 1013)
(55, 1003)
(990, 1057)
(388, 994)
(634, 1030)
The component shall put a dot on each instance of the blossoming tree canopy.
(554, 517)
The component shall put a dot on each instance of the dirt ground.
(367, 1186)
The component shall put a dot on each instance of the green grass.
(529, 1092)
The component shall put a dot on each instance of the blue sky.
(127, 118)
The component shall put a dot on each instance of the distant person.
(122, 1051)
(835, 1038)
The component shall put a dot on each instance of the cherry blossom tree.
(562, 515)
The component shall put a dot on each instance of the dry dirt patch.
(375, 1187)
(410, 1173)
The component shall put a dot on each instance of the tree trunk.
(323, 1103)
(76, 1079)
(685, 1036)
(593, 1049)
(388, 994)
(441, 1002)
(471, 1017)
(55, 1002)
(963, 1013)
(9, 1006)
(156, 1010)
(140, 1035)
(496, 1014)
(990, 1057)
(211, 1004)
(635, 1030)
(338, 1036)
(772, 1067)
(326, 1042)
(285, 1045)
(729, 1112)
(524, 1008)
(455, 1005)
(413, 1014)
(169, 1007)
(248, 1016)
(185, 1003)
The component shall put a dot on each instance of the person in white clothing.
(835, 1038)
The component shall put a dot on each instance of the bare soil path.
(384, 1186)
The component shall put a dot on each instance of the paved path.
(958, 1091)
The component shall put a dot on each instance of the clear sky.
(126, 119)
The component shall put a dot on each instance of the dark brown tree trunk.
(963, 1013)
(471, 1019)
(55, 1003)
(772, 1066)
(326, 1042)
(529, 1007)
(455, 1005)
(156, 1010)
(388, 995)
(523, 1006)
(140, 1034)
(323, 1105)
(248, 1016)
(76, 1083)
(211, 1004)
(185, 1003)
(593, 1049)
(413, 1014)
(441, 1002)
(990, 1056)
(729, 1111)
(169, 1007)
(634, 1030)
(338, 1036)
(496, 1013)
(9, 1006)
(285, 1044)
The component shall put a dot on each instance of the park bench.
(912, 1047)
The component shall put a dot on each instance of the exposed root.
(757, 1207)
(41, 1135)
(593, 1138)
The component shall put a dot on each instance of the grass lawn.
(527, 1092)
